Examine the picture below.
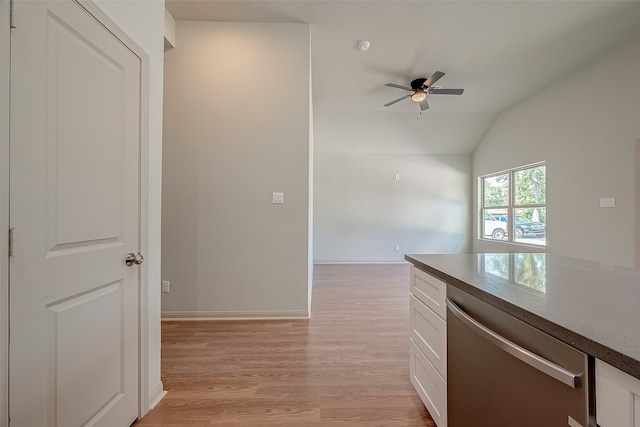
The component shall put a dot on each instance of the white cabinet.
(617, 397)
(430, 290)
(428, 343)
(429, 333)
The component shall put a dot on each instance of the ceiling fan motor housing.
(418, 83)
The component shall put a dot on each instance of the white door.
(74, 204)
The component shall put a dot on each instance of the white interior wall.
(399, 132)
(143, 21)
(362, 212)
(237, 129)
(585, 127)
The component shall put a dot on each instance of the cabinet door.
(431, 387)
(617, 397)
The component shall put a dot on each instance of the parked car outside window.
(494, 227)
(525, 227)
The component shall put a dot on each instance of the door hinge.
(13, 14)
(12, 242)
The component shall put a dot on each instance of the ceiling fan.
(421, 88)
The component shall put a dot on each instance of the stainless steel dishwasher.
(505, 373)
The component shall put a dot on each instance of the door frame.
(5, 56)
(638, 203)
(143, 309)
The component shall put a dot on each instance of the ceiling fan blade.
(397, 100)
(433, 78)
(446, 91)
(399, 86)
(424, 105)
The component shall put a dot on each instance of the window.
(514, 206)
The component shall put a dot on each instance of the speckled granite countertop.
(591, 306)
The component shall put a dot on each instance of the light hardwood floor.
(347, 366)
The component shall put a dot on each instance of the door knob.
(133, 259)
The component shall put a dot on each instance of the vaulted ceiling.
(500, 52)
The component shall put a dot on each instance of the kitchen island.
(590, 306)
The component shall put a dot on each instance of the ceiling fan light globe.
(419, 96)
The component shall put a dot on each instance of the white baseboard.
(156, 395)
(235, 315)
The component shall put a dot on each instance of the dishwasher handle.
(553, 370)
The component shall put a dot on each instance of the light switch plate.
(608, 202)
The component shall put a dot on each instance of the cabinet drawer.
(429, 333)
(431, 387)
(430, 290)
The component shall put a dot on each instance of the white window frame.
(510, 208)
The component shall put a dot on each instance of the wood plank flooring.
(347, 366)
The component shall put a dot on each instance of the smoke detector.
(364, 45)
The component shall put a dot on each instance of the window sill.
(506, 242)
